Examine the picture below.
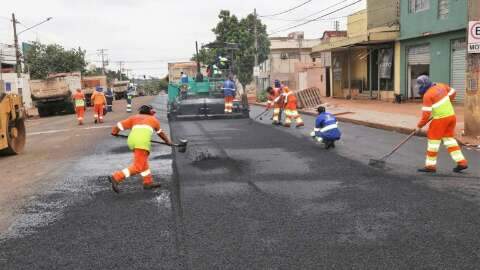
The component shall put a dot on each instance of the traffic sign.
(474, 37)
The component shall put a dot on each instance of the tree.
(43, 59)
(242, 32)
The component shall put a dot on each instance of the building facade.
(286, 53)
(433, 42)
(365, 63)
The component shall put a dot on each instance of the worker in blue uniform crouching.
(326, 128)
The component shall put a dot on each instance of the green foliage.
(231, 29)
(262, 96)
(153, 86)
(43, 59)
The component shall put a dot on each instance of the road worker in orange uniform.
(278, 103)
(275, 102)
(79, 100)
(99, 101)
(291, 112)
(437, 105)
(143, 125)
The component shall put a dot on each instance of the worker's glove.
(114, 134)
(418, 130)
(312, 134)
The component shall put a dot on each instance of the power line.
(287, 11)
(303, 20)
(312, 20)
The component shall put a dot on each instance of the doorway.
(414, 72)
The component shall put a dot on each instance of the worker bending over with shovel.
(143, 125)
(326, 128)
(437, 105)
(291, 112)
(275, 102)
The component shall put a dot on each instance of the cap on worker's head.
(79, 90)
(277, 84)
(321, 109)
(146, 109)
(423, 83)
(286, 89)
(99, 89)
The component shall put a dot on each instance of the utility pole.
(17, 51)
(102, 53)
(255, 30)
(120, 66)
(472, 98)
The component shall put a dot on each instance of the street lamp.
(42, 22)
(15, 37)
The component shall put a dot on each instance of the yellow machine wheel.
(16, 137)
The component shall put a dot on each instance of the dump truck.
(12, 123)
(90, 83)
(54, 95)
(120, 88)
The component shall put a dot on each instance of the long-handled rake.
(381, 163)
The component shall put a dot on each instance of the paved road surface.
(247, 195)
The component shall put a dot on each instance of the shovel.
(182, 146)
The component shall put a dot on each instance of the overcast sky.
(147, 34)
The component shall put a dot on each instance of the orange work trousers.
(140, 166)
(80, 111)
(98, 112)
(228, 104)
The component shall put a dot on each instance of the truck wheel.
(16, 136)
(42, 111)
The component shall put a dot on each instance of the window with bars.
(443, 9)
(419, 5)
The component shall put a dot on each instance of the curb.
(398, 129)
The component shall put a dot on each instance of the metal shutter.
(419, 55)
(458, 68)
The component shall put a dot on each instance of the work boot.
(300, 125)
(328, 144)
(151, 186)
(96, 121)
(286, 125)
(460, 168)
(427, 170)
(114, 184)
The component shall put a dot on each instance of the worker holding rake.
(437, 105)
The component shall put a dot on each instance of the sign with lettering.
(474, 37)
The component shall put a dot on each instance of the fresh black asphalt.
(248, 195)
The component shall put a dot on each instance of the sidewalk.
(386, 115)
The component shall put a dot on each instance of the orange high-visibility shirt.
(143, 126)
(79, 99)
(98, 98)
(437, 103)
(291, 101)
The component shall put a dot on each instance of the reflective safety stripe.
(319, 139)
(457, 156)
(329, 127)
(80, 118)
(441, 102)
(431, 161)
(120, 126)
(126, 172)
(452, 91)
(79, 103)
(449, 142)
(427, 109)
(143, 127)
(316, 129)
(146, 173)
(433, 145)
(96, 115)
